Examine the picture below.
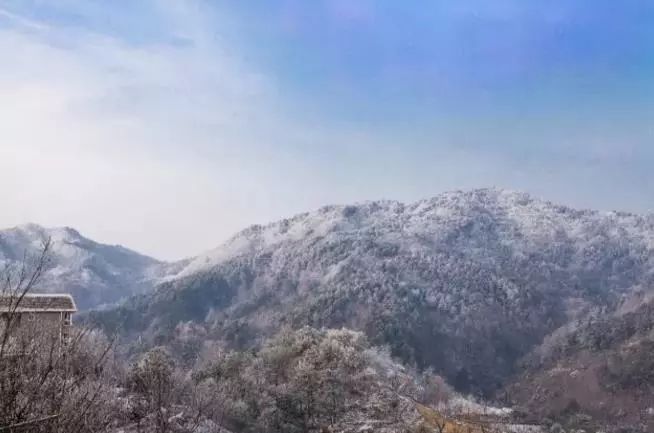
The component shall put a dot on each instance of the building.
(49, 315)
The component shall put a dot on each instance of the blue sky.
(129, 119)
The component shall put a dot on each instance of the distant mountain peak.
(95, 273)
(39, 232)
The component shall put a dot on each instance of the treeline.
(305, 380)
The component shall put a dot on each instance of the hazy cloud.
(152, 124)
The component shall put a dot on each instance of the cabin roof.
(38, 303)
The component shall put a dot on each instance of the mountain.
(466, 283)
(96, 274)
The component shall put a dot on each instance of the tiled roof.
(38, 303)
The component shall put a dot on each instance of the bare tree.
(16, 283)
(43, 385)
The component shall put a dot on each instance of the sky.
(168, 126)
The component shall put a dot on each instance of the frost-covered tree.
(308, 381)
(45, 386)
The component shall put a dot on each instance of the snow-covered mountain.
(96, 274)
(516, 220)
(466, 282)
(495, 290)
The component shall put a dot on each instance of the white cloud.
(137, 144)
(166, 148)
(171, 146)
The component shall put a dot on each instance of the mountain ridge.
(96, 274)
(230, 246)
(467, 282)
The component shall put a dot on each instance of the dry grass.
(441, 424)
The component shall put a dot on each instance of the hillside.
(467, 283)
(96, 274)
(601, 367)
